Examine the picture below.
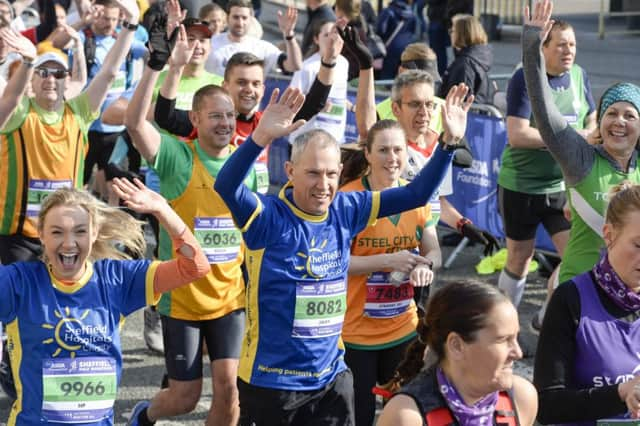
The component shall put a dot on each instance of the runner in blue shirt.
(297, 257)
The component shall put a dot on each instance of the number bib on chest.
(78, 390)
(219, 238)
(39, 189)
(386, 300)
(320, 309)
(262, 177)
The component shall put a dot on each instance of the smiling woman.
(470, 329)
(589, 170)
(62, 313)
(381, 317)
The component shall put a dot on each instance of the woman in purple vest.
(588, 360)
(470, 333)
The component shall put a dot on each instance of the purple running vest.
(607, 349)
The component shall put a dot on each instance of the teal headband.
(621, 92)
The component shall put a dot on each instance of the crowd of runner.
(311, 302)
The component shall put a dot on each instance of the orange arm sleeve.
(177, 272)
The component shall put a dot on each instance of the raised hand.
(181, 53)
(353, 43)
(277, 118)
(333, 48)
(138, 197)
(541, 17)
(287, 21)
(160, 48)
(130, 10)
(454, 113)
(18, 43)
(174, 15)
(63, 34)
(92, 14)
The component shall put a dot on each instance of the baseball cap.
(50, 57)
(197, 24)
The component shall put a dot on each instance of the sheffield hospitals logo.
(318, 263)
(71, 335)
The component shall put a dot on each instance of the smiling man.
(43, 138)
(530, 185)
(237, 39)
(297, 256)
(212, 308)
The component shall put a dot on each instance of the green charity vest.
(589, 200)
(534, 171)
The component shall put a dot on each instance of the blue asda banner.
(475, 189)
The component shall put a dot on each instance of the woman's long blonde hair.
(119, 235)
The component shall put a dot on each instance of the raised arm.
(422, 187)
(144, 136)
(316, 99)
(565, 144)
(277, 121)
(287, 23)
(165, 112)
(17, 85)
(191, 262)
(101, 83)
(366, 115)
(79, 66)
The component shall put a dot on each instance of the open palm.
(540, 18)
(454, 112)
(277, 118)
(137, 196)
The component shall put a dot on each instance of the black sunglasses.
(58, 74)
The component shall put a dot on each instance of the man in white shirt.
(236, 39)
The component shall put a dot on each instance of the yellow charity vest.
(35, 160)
(221, 291)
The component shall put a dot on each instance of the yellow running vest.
(35, 160)
(222, 290)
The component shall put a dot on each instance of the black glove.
(481, 236)
(463, 157)
(159, 46)
(353, 43)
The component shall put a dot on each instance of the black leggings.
(369, 368)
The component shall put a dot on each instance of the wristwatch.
(129, 26)
(446, 146)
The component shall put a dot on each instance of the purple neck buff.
(615, 288)
(479, 414)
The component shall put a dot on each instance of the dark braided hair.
(460, 307)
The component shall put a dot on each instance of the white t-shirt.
(334, 118)
(222, 49)
(415, 162)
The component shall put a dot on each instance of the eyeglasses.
(58, 74)
(430, 105)
(219, 116)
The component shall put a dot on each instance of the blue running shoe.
(133, 420)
